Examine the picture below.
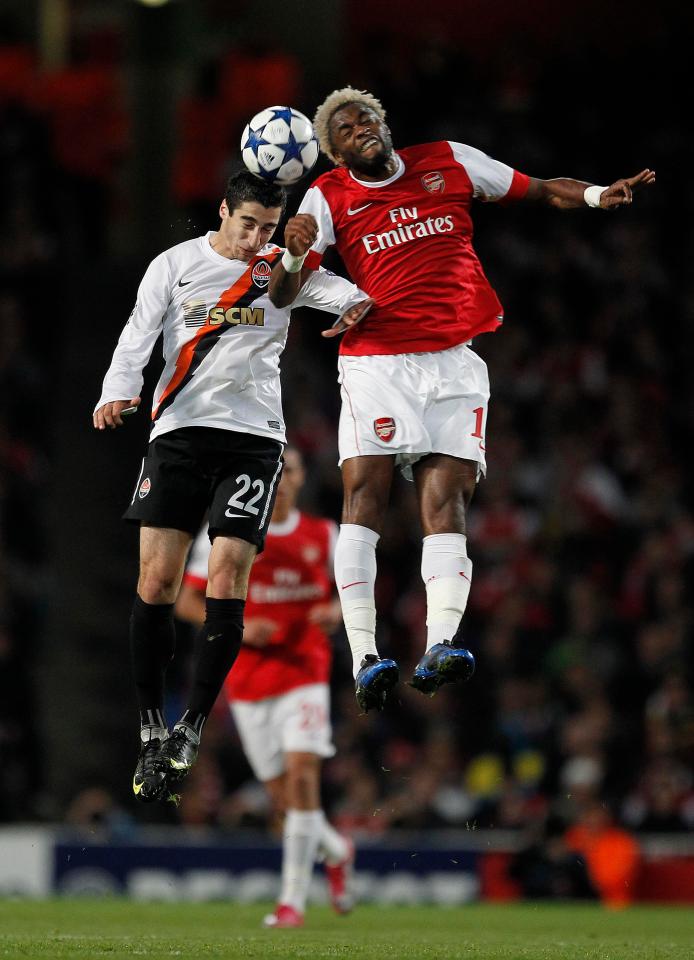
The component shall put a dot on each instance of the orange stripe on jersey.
(185, 358)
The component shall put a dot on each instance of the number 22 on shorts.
(239, 502)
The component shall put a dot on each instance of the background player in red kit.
(278, 687)
(413, 392)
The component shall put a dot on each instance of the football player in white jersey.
(414, 393)
(216, 445)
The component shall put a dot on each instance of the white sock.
(332, 846)
(189, 730)
(447, 574)
(150, 731)
(302, 832)
(355, 577)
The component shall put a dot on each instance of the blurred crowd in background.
(582, 535)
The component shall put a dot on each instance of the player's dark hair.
(243, 187)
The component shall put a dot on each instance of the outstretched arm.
(565, 194)
(120, 393)
(324, 290)
(289, 273)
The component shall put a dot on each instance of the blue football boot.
(444, 663)
(375, 680)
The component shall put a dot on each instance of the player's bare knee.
(303, 794)
(228, 583)
(365, 505)
(276, 790)
(230, 565)
(303, 784)
(468, 490)
(446, 516)
(158, 586)
(366, 482)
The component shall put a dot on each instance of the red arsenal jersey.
(292, 575)
(407, 241)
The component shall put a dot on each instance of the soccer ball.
(279, 145)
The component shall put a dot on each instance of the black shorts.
(195, 469)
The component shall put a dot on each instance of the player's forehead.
(351, 113)
(252, 210)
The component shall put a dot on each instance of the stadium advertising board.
(249, 874)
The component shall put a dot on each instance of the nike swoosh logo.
(184, 283)
(232, 516)
(356, 582)
(215, 637)
(350, 212)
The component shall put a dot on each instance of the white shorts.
(295, 722)
(412, 404)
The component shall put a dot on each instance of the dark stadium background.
(118, 125)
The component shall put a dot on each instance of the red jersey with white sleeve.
(287, 580)
(407, 241)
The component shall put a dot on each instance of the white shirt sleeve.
(315, 203)
(490, 178)
(123, 379)
(324, 290)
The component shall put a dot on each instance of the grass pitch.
(118, 929)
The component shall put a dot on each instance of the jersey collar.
(287, 526)
(382, 183)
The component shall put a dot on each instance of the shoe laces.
(174, 746)
(148, 753)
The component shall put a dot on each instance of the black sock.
(152, 645)
(218, 647)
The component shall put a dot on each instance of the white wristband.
(592, 195)
(291, 263)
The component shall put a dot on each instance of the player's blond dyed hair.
(333, 102)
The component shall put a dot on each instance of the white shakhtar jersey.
(222, 338)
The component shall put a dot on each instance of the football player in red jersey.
(278, 687)
(413, 392)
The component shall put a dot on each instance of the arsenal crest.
(310, 553)
(434, 182)
(385, 428)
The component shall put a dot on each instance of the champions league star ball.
(279, 145)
